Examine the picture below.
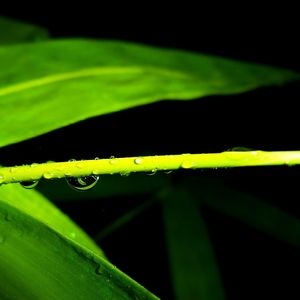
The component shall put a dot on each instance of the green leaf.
(37, 206)
(193, 267)
(249, 210)
(48, 85)
(13, 31)
(38, 263)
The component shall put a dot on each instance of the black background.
(252, 264)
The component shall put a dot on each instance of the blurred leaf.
(13, 31)
(193, 266)
(48, 85)
(136, 184)
(249, 210)
(123, 220)
(38, 263)
(40, 208)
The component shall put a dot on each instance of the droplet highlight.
(84, 183)
(29, 184)
(138, 161)
(187, 164)
(153, 172)
(112, 160)
(99, 270)
(125, 173)
(1, 178)
(48, 175)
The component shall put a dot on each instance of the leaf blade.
(194, 270)
(55, 268)
(249, 210)
(13, 31)
(37, 206)
(109, 76)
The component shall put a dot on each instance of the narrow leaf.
(249, 210)
(13, 31)
(193, 267)
(123, 220)
(37, 206)
(48, 85)
(39, 263)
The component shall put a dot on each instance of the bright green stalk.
(152, 164)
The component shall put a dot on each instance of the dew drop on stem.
(138, 161)
(84, 183)
(29, 184)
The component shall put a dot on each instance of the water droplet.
(12, 170)
(80, 165)
(153, 172)
(187, 164)
(82, 183)
(29, 184)
(112, 160)
(72, 235)
(125, 173)
(138, 161)
(168, 172)
(72, 160)
(240, 149)
(48, 175)
(1, 178)
(97, 158)
(99, 270)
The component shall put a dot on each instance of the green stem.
(147, 164)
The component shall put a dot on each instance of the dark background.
(252, 264)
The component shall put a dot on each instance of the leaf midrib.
(46, 80)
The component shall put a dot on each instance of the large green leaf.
(193, 267)
(13, 31)
(48, 85)
(39, 263)
(34, 204)
(248, 209)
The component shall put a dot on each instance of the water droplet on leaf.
(48, 175)
(187, 164)
(153, 172)
(84, 183)
(240, 149)
(168, 172)
(1, 178)
(112, 160)
(73, 235)
(138, 161)
(125, 173)
(99, 270)
(12, 170)
(29, 184)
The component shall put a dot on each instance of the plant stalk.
(149, 164)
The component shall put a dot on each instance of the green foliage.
(100, 77)
(194, 271)
(39, 263)
(45, 255)
(13, 31)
